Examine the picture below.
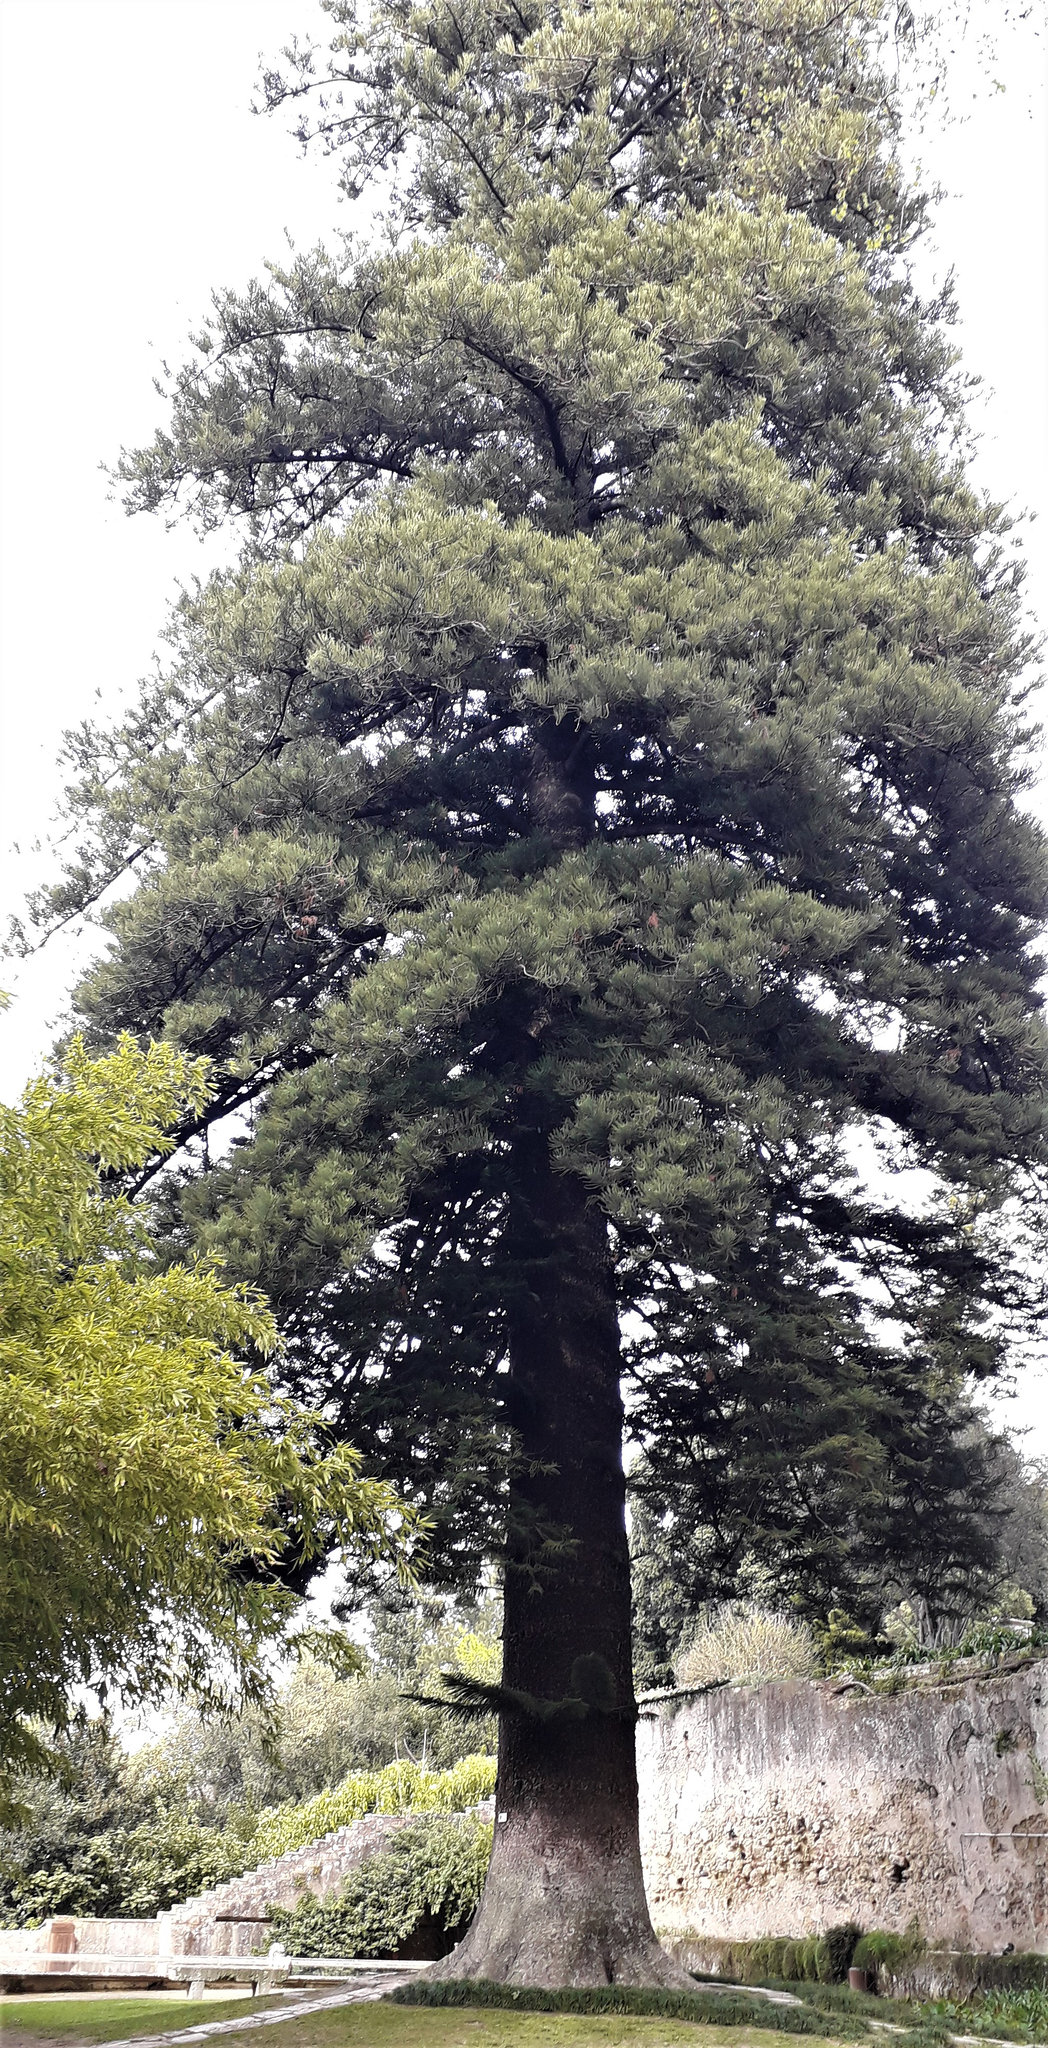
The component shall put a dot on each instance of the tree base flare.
(555, 1914)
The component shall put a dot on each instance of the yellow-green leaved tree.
(149, 1478)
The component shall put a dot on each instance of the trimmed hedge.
(813, 1959)
(400, 1788)
(881, 1951)
(703, 2009)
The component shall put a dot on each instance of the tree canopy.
(587, 829)
(150, 1482)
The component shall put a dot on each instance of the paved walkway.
(369, 1985)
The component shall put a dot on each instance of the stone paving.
(368, 1985)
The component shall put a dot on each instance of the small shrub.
(815, 1961)
(750, 1644)
(838, 1945)
(841, 1638)
(880, 1951)
(1011, 2011)
(422, 1890)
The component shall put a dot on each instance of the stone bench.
(264, 1973)
(194, 1971)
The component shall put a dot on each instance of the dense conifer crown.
(613, 734)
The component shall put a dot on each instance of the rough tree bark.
(564, 1901)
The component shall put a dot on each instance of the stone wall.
(780, 1811)
(39, 1952)
(793, 1808)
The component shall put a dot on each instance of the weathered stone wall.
(780, 1811)
(792, 1808)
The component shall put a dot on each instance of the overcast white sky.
(134, 179)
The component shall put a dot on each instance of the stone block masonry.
(792, 1808)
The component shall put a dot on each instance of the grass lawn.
(83, 2016)
(34, 2023)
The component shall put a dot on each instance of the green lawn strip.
(698, 2008)
(116, 2018)
(381, 2024)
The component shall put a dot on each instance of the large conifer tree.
(591, 803)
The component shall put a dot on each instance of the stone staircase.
(210, 1924)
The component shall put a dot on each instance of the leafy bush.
(103, 1843)
(400, 1788)
(419, 1893)
(750, 1644)
(124, 1872)
(710, 2008)
(838, 1945)
(1009, 2011)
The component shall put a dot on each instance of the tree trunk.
(564, 1901)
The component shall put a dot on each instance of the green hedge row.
(812, 1959)
(709, 2008)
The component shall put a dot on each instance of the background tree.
(960, 1537)
(150, 1483)
(1021, 1502)
(100, 1837)
(730, 1503)
(122, 1834)
(590, 808)
(329, 1724)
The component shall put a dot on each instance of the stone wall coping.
(936, 1672)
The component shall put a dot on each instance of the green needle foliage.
(611, 744)
(150, 1482)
